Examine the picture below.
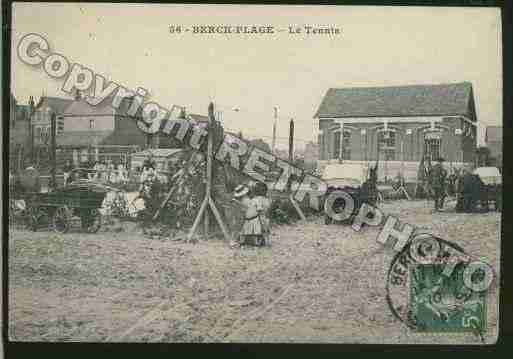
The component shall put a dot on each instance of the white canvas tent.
(161, 156)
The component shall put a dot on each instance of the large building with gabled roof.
(398, 123)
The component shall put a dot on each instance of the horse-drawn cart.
(58, 208)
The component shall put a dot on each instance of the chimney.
(77, 95)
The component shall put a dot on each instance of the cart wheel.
(91, 220)
(61, 220)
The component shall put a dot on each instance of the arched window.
(386, 145)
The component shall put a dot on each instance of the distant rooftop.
(57, 104)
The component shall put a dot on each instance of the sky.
(378, 46)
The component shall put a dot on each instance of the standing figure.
(255, 226)
(66, 171)
(102, 171)
(263, 205)
(452, 184)
(243, 203)
(438, 177)
(470, 192)
(122, 178)
(111, 171)
(93, 176)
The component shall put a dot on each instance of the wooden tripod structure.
(208, 200)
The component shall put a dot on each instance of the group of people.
(466, 186)
(104, 171)
(254, 227)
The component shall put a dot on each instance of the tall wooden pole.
(274, 129)
(53, 151)
(291, 140)
(211, 124)
(31, 129)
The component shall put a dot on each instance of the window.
(346, 145)
(386, 145)
(336, 145)
(91, 123)
(432, 144)
(60, 124)
(45, 134)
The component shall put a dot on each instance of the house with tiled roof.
(102, 129)
(493, 140)
(42, 116)
(398, 124)
(91, 131)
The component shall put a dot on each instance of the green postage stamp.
(441, 304)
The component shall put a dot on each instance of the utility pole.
(31, 128)
(53, 151)
(291, 140)
(274, 129)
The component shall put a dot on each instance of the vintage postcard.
(254, 174)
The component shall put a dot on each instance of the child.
(262, 205)
(255, 228)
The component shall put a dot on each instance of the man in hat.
(438, 177)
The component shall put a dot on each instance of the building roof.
(493, 134)
(411, 100)
(57, 104)
(81, 107)
(82, 138)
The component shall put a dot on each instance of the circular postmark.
(424, 249)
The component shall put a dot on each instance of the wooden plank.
(219, 219)
(298, 209)
(198, 219)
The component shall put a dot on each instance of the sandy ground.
(315, 283)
